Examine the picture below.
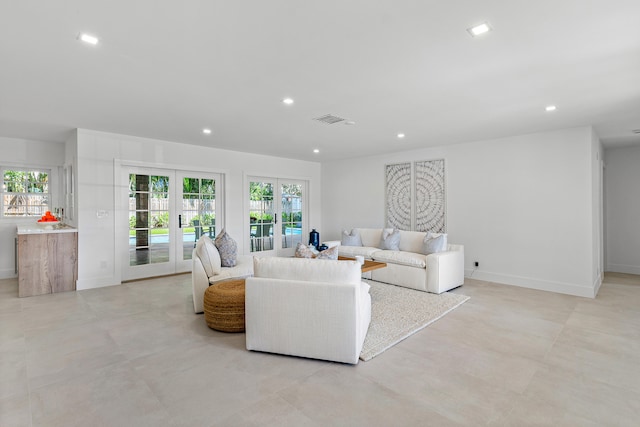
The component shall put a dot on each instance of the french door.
(168, 211)
(277, 215)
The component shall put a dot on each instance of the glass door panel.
(292, 216)
(148, 219)
(197, 212)
(276, 216)
(262, 217)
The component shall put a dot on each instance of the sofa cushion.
(224, 275)
(352, 251)
(411, 241)
(243, 268)
(227, 248)
(434, 243)
(351, 239)
(209, 256)
(390, 240)
(370, 236)
(411, 259)
(310, 270)
(329, 253)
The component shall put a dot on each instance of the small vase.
(314, 238)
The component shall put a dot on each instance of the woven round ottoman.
(224, 306)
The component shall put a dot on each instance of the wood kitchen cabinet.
(47, 260)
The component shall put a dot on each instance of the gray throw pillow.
(351, 239)
(227, 248)
(433, 244)
(390, 240)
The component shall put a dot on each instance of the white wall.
(522, 206)
(622, 191)
(26, 153)
(98, 158)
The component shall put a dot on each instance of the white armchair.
(207, 270)
(312, 308)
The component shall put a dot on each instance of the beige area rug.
(397, 313)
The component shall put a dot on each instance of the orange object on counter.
(48, 217)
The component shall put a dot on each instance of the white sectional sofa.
(409, 267)
(313, 308)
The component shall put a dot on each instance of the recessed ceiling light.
(87, 38)
(315, 150)
(401, 135)
(349, 123)
(206, 131)
(479, 29)
(550, 108)
(288, 101)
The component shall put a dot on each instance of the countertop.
(37, 229)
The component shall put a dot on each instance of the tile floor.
(136, 355)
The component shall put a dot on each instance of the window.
(25, 192)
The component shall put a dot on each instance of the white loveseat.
(409, 267)
(311, 308)
(207, 270)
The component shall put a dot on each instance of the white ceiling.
(165, 69)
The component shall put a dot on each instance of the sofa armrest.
(199, 283)
(308, 319)
(445, 270)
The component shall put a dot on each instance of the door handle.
(179, 221)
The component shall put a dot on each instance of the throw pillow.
(228, 249)
(303, 251)
(433, 244)
(390, 240)
(209, 256)
(351, 239)
(330, 253)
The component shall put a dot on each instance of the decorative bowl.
(47, 225)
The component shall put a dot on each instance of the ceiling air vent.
(329, 119)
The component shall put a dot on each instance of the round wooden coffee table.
(224, 306)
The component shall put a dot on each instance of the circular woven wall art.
(399, 196)
(430, 196)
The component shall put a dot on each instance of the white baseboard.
(597, 284)
(80, 284)
(528, 282)
(99, 282)
(622, 268)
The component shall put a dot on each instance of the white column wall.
(597, 209)
(71, 160)
(29, 153)
(99, 156)
(622, 194)
(522, 206)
